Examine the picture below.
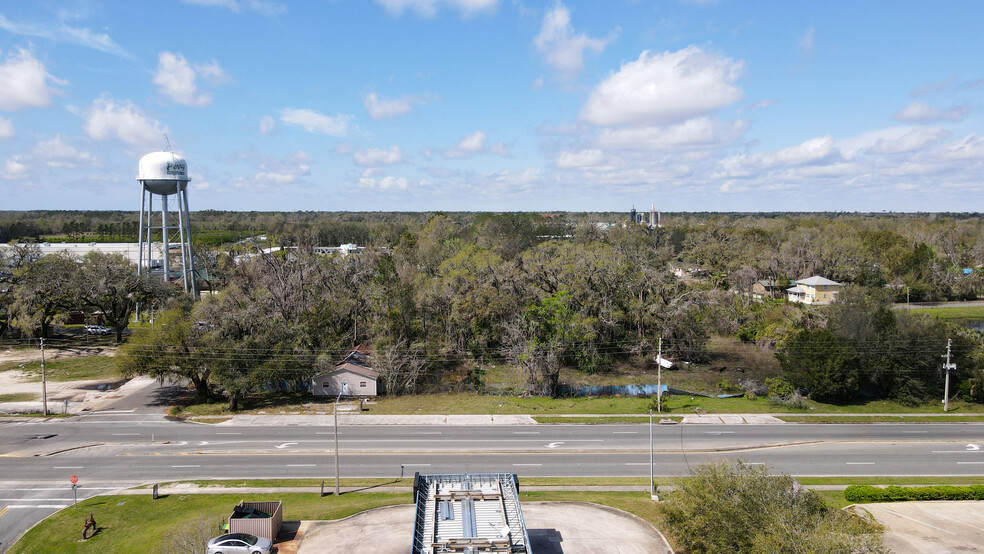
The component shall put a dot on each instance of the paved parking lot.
(938, 527)
(553, 527)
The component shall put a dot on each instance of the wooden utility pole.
(44, 381)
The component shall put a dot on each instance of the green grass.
(604, 419)
(888, 480)
(68, 369)
(142, 524)
(952, 313)
(18, 397)
(916, 418)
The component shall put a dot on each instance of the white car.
(236, 543)
(97, 330)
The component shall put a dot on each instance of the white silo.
(164, 174)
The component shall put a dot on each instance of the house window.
(326, 384)
(362, 384)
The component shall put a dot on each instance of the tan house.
(815, 290)
(351, 377)
(766, 289)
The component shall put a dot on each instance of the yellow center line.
(3, 511)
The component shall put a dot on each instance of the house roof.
(351, 368)
(796, 289)
(816, 280)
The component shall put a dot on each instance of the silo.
(163, 174)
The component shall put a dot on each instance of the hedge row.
(866, 493)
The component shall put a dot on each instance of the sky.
(496, 105)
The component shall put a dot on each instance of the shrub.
(779, 386)
(867, 493)
(796, 401)
(734, 507)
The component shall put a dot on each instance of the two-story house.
(815, 290)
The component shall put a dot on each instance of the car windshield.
(249, 539)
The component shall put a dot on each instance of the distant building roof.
(796, 290)
(355, 368)
(468, 512)
(816, 280)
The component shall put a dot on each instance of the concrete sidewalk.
(485, 419)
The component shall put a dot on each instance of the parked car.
(236, 543)
(97, 330)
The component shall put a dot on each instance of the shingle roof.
(816, 280)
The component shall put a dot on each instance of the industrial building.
(468, 513)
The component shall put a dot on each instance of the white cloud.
(24, 83)
(314, 122)
(372, 179)
(563, 49)
(64, 33)
(108, 119)
(665, 88)
(56, 153)
(259, 6)
(274, 173)
(582, 158)
(387, 109)
(475, 144)
(176, 78)
(969, 147)
(428, 8)
(6, 129)
(701, 132)
(14, 169)
(375, 157)
(267, 125)
(912, 141)
(806, 42)
(921, 112)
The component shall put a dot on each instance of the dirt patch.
(20, 356)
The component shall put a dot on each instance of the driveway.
(938, 527)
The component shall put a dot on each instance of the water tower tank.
(163, 172)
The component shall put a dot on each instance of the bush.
(867, 493)
(779, 386)
(733, 507)
(796, 401)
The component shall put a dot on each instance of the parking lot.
(938, 527)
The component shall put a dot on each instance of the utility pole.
(652, 474)
(44, 381)
(335, 413)
(948, 367)
(659, 377)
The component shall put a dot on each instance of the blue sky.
(502, 105)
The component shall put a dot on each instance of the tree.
(828, 368)
(43, 291)
(730, 506)
(109, 284)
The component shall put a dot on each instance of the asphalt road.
(122, 448)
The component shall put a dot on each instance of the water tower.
(163, 174)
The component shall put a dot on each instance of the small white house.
(349, 379)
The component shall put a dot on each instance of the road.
(124, 447)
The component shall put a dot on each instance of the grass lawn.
(952, 313)
(142, 525)
(916, 418)
(18, 397)
(68, 369)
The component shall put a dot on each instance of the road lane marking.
(521, 465)
(186, 466)
(32, 499)
(911, 432)
(526, 432)
(68, 467)
(719, 432)
(285, 445)
(625, 432)
(917, 521)
(56, 506)
(415, 465)
(637, 463)
(302, 465)
(965, 463)
(426, 433)
(860, 463)
(125, 434)
(3, 511)
(225, 433)
(960, 522)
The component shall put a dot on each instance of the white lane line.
(326, 433)
(68, 467)
(966, 463)
(301, 465)
(415, 465)
(526, 432)
(57, 506)
(958, 521)
(227, 433)
(186, 466)
(860, 463)
(978, 452)
(33, 500)
(521, 465)
(917, 521)
(105, 412)
(426, 433)
(63, 488)
(125, 434)
(719, 432)
(913, 432)
(637, 463)
(625, 432)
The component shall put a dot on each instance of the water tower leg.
(164, 240)
(140, 234)
(191, 253)
(182, 237)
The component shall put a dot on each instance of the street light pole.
(44, 381)
(948, 367)
(652, 471)
(335, 413)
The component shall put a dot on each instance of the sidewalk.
(370, 419)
